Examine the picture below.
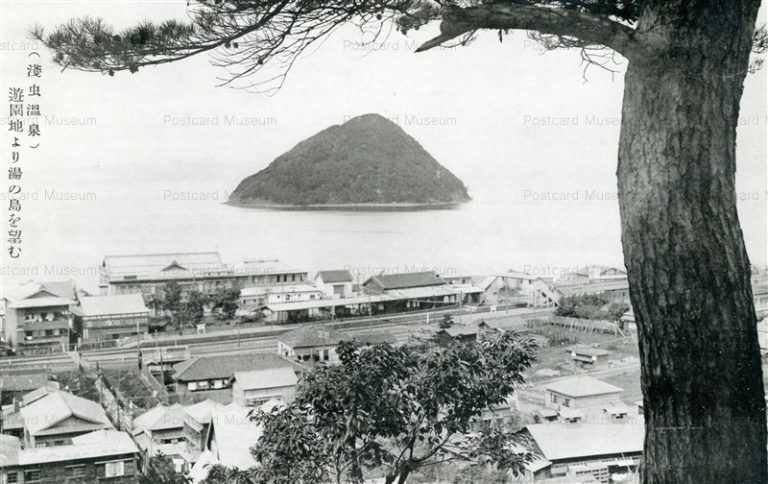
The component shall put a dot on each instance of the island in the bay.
(369, 161)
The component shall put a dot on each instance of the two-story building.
(148, 274)
(581, 396)
(58, 417)
(197, 422)
(211, 377)
(160, 430)
(335, 284)
(96, 457)
(38, 316)
(101, 318)
(258, 297)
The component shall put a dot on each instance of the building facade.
(260, 296)
(102, 318)
(336, 284)
(148, 274)
(256, 387)
(39, 317)
(211, 377)
(102, 456)
(582, 398)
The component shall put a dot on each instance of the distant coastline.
(394, 206)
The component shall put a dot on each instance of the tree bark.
(689, 273)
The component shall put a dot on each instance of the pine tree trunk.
(689, 273)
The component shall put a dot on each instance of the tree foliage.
(219, 474)
(184, 309)
(395, 410)
(368, 159)
(160, 470)
(226, 300)
(590, 306)
(684, 251)
(244, 36)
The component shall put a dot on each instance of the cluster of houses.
(39, 317)
(49, 435)
(584, 432)
(47, 432)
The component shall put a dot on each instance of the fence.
(576, 324)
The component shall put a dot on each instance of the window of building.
(49, 332)
(12, 477)
(76, 471)
(32, 475)
(114, 469)
(567, 402)
(554, 398)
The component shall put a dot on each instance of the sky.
(484, 111)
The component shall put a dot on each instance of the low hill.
(369, 160)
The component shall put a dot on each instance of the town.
(176, 350)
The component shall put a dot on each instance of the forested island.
(366, 161)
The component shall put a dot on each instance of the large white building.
(200, 271)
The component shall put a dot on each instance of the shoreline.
(393, 206)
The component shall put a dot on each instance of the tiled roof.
(142, 264)
(569, 441)
(312, 336)
(333, 277)
(582, 386)
(406, 280)
(58, 406)
(109, 305)
(35, 395)
(270, 378)
(160, 418)
(41, 302)
(94, 445)
(432, 291)
(65, 289)
(225, 366)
